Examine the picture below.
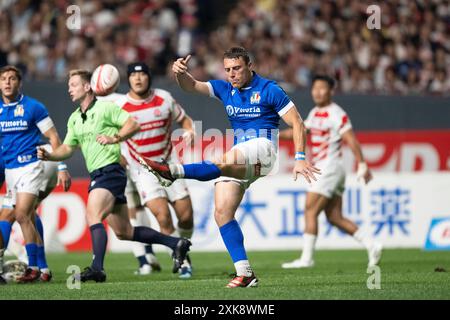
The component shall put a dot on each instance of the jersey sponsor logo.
(25, 158)
(243, 112)
(17, 125)
(255, 98)
(18, 111)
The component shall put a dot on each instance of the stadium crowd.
(290, 39)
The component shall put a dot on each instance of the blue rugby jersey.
(253, 111)
(21, 123)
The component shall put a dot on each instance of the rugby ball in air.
(105, 80)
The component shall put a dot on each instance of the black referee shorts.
(111, 177)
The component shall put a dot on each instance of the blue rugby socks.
(202, 171)
(234, 242)
(32, 255)
(41, 259)
(5, 229)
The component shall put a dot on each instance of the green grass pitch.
(405, 274)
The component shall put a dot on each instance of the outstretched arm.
(302, 166)
(130, 128)
(63, 152)
(185, 80)
(64, 177)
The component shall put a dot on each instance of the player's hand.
(64, 179)
(363, 173)
(189, 137)
(307, 170)
(180, 65)
(43, 154)
(104, 139)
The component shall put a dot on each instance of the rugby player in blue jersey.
(22, 121)
(254, 106)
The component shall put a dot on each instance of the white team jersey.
(326, 125)
(155, 115)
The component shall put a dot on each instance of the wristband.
(62, 166)
(300, 156)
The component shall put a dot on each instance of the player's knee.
(334, 220)
(93, 218)
(187, 223)
(163, 217)
(22, 217)
(222, 216)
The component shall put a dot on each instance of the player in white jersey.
(329, 126)
(155, 110)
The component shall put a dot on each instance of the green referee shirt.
(102, 117)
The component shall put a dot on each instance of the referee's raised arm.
(185, 80)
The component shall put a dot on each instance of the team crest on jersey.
(157, 113)
(255, 98)
(18, 111)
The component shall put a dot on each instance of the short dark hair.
(236, 53)
(329, 80)
(85, 75)
(12, 68)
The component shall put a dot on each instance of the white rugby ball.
(105, 80)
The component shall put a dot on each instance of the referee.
(97, 127)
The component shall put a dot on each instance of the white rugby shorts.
(259, 152)
(143, 186)
(330, 183)
(26, 179)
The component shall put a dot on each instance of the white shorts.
(142, 187)
(26, 179)
(258, 152)
(330, 183)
